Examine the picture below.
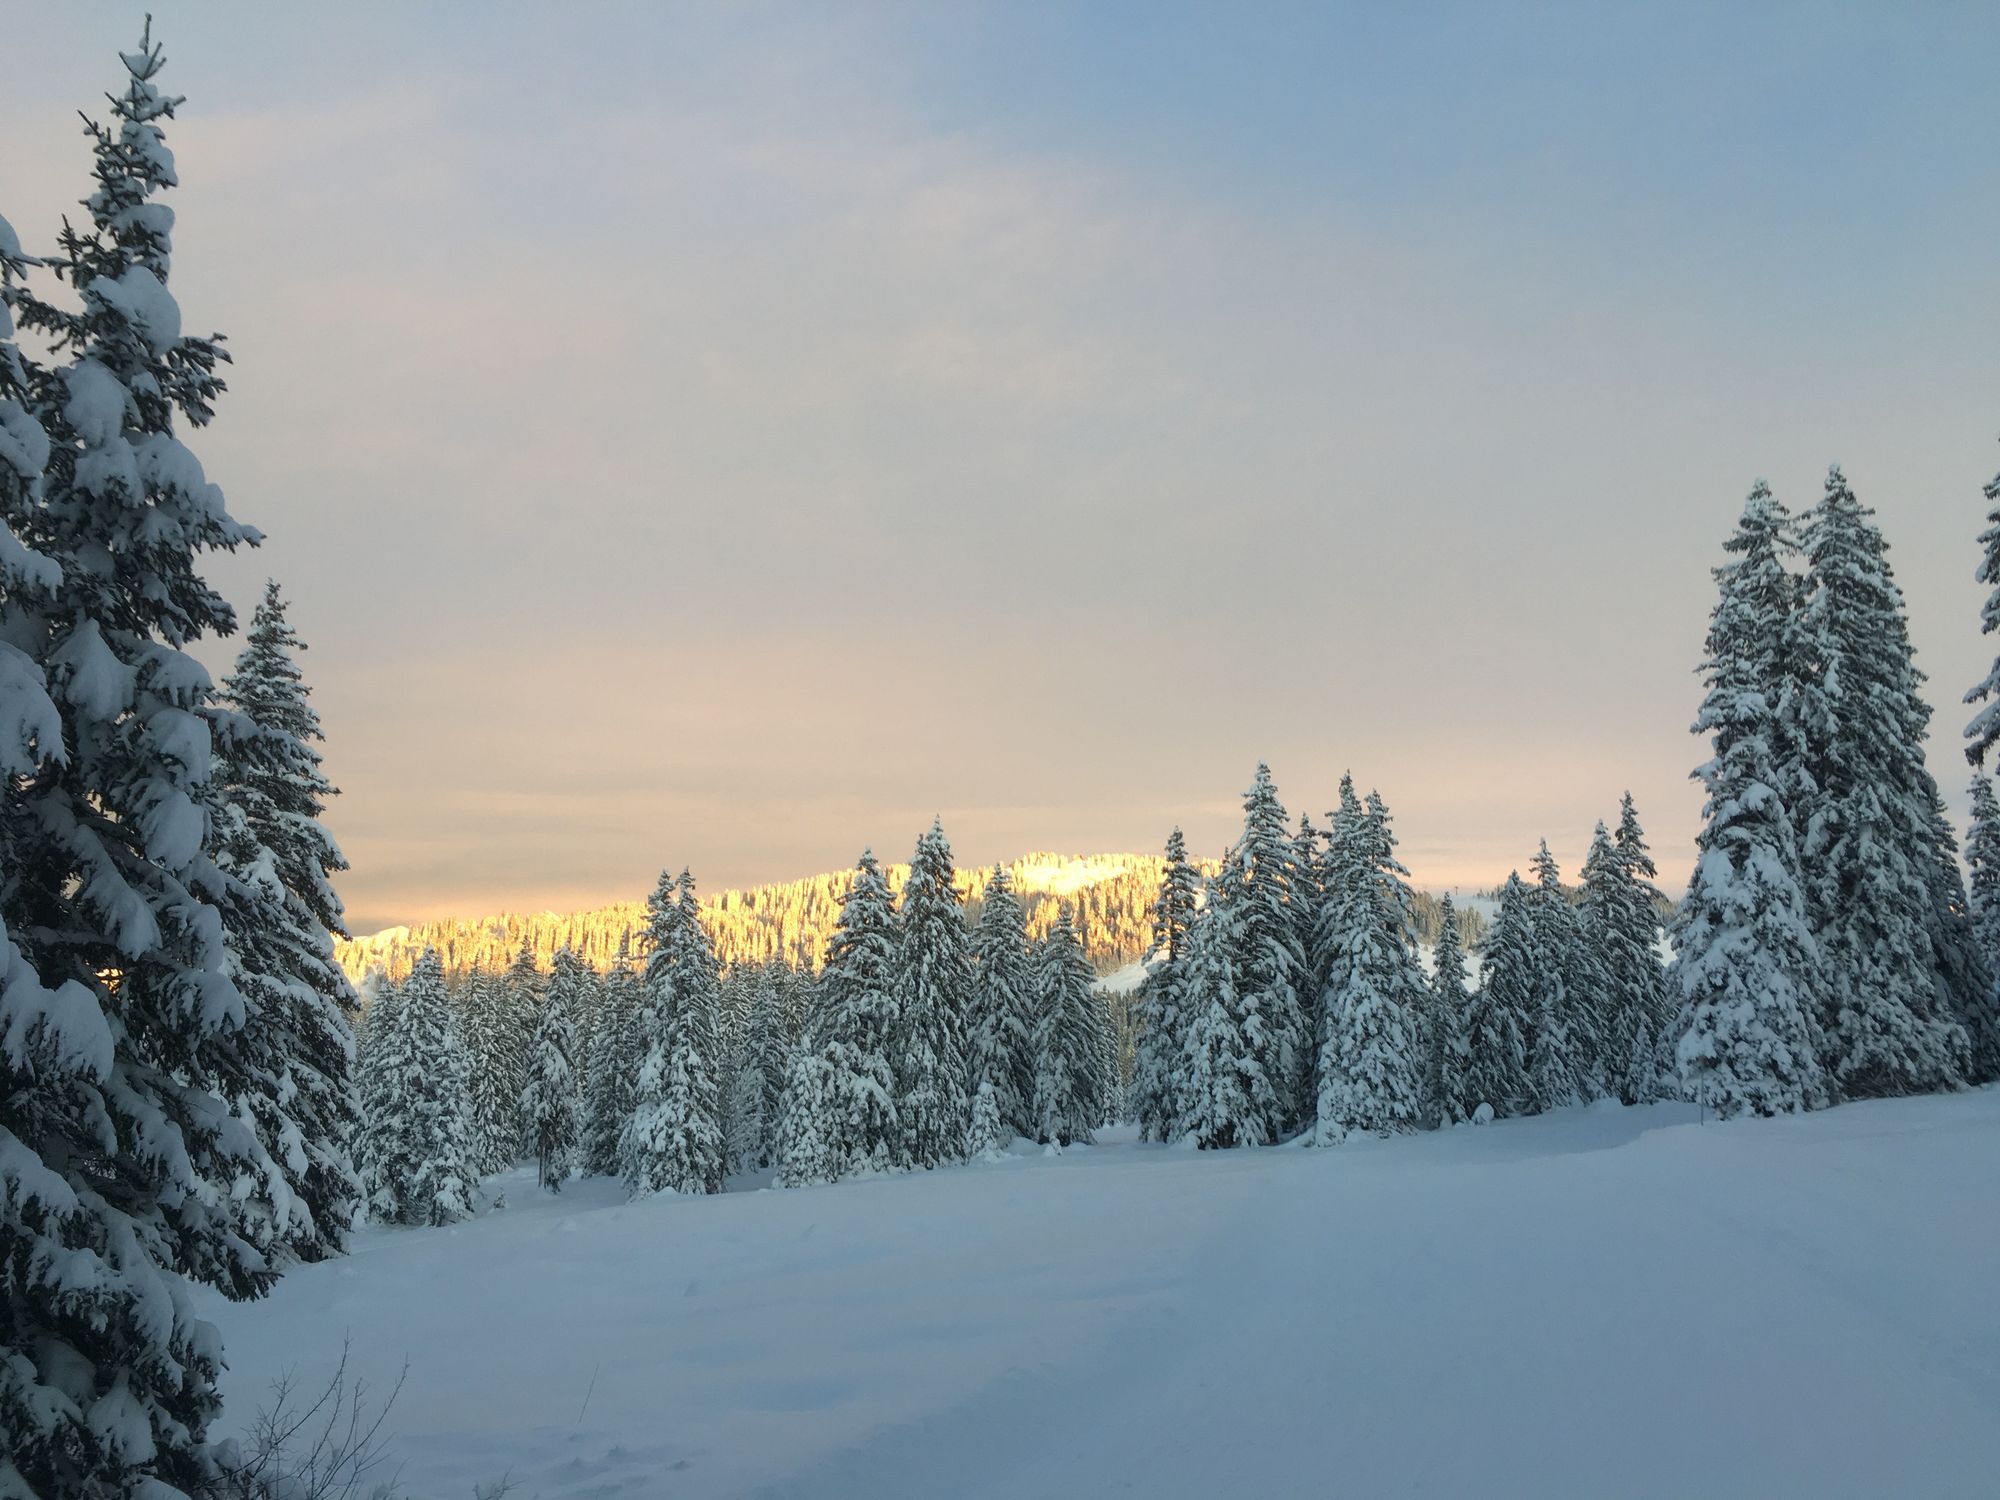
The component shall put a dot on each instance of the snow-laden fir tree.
(280, 915)
(1982, 859)
(496, 1045)
(551, 1101)
(380, 999)
(121, 1031)
(1000, 1033)
(1268, 968)
(520, 991)
(1307, 884)
(1966, 968)
(1501, 1014)
(989, 1135)
(1343, 842)
(1564, 1046)
(616, 1051)
(420, 1159)
(1227, 1099)
(1650, 1072)
(1867, 840)
(674, 1140)
(1370, 1073)
(1068, 1037)
(1746, 965)
(1984, 730)
(933, 990)
(1447, 1041)
(764, 1054)
(1159, 1059)
(839, 1113)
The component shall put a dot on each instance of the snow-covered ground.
(1601, 1302)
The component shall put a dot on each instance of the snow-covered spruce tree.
(551, 1102)
(1984, 730)
(1000, 1035)
(1982, 858)
(616, 1049)
(675, 1137)
(1343, 840)
(520, 991)
(1564, 1049)
(1264, 957)
(1160, 1057)
(420, 1160)
(1501, 1016)
(1867, 841)
(379, 1002)
(496, 1048)
(1648, 1074)
(121, 1031)
(933, 989)
(1370, 1074)
(839, 1114)
(1966, 969)
(765, 1055)
(1068, 1039)
(1227, 1099)
(989, 1135)
(280, 915)
(1746, 965)
(1448, 1045)
(1307, 884)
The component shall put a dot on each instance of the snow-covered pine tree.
(1650, 1073)
(122, 1029)
(758, 1077)
(1307, 884)
(519, 994)
(1501, 1015)
(420, 1161)
(1982, 859)
(674, 1141)
(1268, 968)
(1228, 1099)
(1000, 1037)
(380, 999)
(1160, 1057)
(1448, 1058)
(1370, 1073)
(1337, 867)
(839, 1114)
(1867, 841)
(280, 915)
(1068, 1040)
(616, 1049)
(1746, 965)
(1984, 730)
(1965, 969)
(1565, 1046)
(933, 988)
(551, 1101)
(989, 1135)
(497, 1056)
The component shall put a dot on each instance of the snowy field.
(1600, 1302)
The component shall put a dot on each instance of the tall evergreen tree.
(1159, 1060)
(123, 1029)
(1501, 1017)
(1228, 1099)
(615, 1052)
(496, 1048)
(1370, 1065)
(1564, 1048)
(1448, 1042)
(933, 991)
(551, 1101)
(839, 1113)
(1982, 858)
(420, 1163)
(280, 915)
(1746, 964)
(1654, 1008)
(1068, 1037)
(1866, 832)
(1267, 967)
(1307, 889)
(1984, 730)
(1000, 1045)
(674, 1140)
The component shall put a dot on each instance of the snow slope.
(1604, 1301)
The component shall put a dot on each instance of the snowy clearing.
(1601, 1301)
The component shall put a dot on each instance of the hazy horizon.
(727, 437)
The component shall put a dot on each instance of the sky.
(731, 435)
